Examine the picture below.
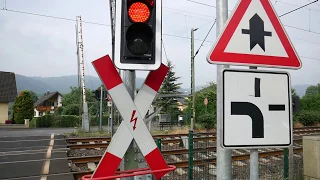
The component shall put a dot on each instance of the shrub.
(46, 121)
(66, 121)
(308, 118)
(34, 122)
(207, 120)
(50, 120)
(95, 120)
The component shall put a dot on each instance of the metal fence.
(195, 159)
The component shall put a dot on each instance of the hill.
(40, 85)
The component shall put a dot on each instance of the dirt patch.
(297, 125)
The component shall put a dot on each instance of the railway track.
(177, 154)
(180, 164)
(103, 142)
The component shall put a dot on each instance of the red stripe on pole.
(156, 162)
(107, 72)
(155, 78)
(107, 166)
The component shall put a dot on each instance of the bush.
(66, 121)
(207, 120)
(50, 120)
(95, 120)
(45, 121)
(34, 122)
(308, 118)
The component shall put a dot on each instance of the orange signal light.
(139, 12)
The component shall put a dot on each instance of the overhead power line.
(201, 3)
(298, 8)
(165, 52)
(54, 17)
(101, 24)
(296, 5)
(205, 38)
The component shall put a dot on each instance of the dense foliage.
(23, 107)
(71, 102)
(310, 107)
(170, 86)
(205, 115)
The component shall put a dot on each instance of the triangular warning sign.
(254, 36)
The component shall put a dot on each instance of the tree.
(170, 86)
(71, 102)
(312, 90)
(34, 96)
(23, 107)
(205, 115)
(311, 99)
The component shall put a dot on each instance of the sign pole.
(130, 156)
(254, 157)
(100, 113)
(224, 161)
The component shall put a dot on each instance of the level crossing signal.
(138, 33)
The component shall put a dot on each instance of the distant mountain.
(40, 85)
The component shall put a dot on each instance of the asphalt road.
(34, 132)
(34, 154)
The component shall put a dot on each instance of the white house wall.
(59, 101)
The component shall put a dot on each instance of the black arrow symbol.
(256, 32)
(249, 109)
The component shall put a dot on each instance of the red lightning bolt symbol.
(133, 119)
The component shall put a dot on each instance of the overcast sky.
(40, 46)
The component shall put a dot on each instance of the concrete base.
(311, 157)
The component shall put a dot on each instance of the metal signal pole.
(192, 80)
(85, 115)
(224, 161)
(254, 157)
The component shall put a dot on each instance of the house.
(182, 103)
(47, 103)
(8, 93)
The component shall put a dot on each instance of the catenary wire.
(298, 8)
(205, 38)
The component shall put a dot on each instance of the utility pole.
(224, 161)
(192, 80)
(112, 5)
(85, 115)
(100, 113)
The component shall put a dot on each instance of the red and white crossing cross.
(132, 113)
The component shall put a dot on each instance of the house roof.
(8, 87)
(47, 96)
(182, 100)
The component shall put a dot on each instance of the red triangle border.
(218, 56)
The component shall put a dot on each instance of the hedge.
(55, 121)
(207, 120)
(308, 118)
(95, 120)
(51, 120)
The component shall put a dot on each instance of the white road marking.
(46, 164)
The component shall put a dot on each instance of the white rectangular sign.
(257, 110)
